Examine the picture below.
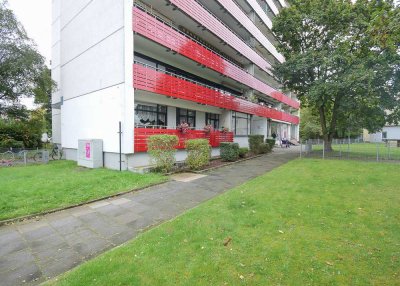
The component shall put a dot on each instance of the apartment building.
(151, 65)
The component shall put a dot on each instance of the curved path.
(34, 251)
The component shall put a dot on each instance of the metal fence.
(356, 149)
(23, 157)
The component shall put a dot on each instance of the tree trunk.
(328, 143)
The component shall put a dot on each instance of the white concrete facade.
(93, 52)
(92, 46)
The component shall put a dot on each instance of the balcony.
(240, 16)
(214, 137)
(207, 20)
(166, 35)
(160, 82)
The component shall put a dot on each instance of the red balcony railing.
(206, 19)
(160, 82)
(166, 35)
(214, 137)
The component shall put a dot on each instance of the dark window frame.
(157, 112)
(213, 121)
(187, 116)
(248, 125)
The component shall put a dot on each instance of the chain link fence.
(23, 157)
(355, 149)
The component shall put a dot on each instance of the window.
(150, 115)
(212, 119)
(241, 123)
(186, 115)
(384, 135)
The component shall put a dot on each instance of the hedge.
(162, 149)
(229, 151)
(199, 153)
(243, 151)
(270, 142)
(256, 144)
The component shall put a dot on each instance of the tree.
(21, 66)
(309, 125)
(342, 60)
(43, 91)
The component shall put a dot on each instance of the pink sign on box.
(87, 148)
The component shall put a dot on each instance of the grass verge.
(308, 222)
(39, 188)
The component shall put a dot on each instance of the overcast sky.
(35, 16)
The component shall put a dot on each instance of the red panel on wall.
(167, 36)
(149, 79)
(215, 137)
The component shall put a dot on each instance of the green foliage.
(43, 90)
(265, 148)
(162, 149)
(8, 143)
(28, 131)
(243, 152)
(229, 151)
(199, 153)
(310, 127)
(342, 61)
(270, 142)
(256, 144)
(23, 73)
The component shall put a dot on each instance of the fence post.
(377, 152)
(323, 149)
(301, 147)
(388, 149)
(25, 158)
(348, 148)
(340, 148)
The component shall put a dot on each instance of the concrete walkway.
(36, 250)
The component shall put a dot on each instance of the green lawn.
(309, 222)
(37, 188)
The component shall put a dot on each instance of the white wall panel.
(96, 22)
(93, 116)
(100, 67)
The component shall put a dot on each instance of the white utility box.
(90, 153)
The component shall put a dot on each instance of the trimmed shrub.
(270, 142)
(162, 149)
(199, 153)
(255, 144)
(264, 148)
(243, 151)
(229, 151)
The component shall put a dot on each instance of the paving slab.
(33, 251)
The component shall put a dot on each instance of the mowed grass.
(309, 222)
(38, 188)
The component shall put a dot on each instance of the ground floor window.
(186, 116)
(147, 114)
(241, 123)
(213, 120)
